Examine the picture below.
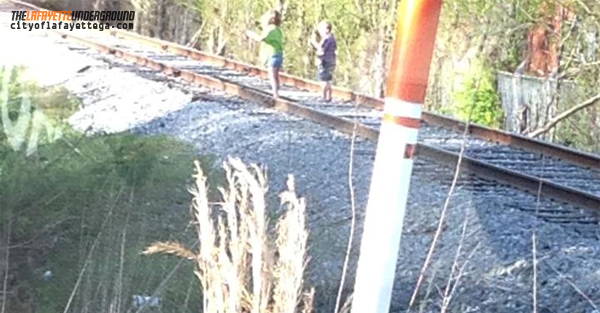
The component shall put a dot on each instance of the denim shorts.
(326, 71)
(275, 60)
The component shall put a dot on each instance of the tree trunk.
(379, 64)
(159, 19)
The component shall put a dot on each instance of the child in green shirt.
(272, 46)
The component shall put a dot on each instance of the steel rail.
(528, 144)
(573, 156)
(482, 169)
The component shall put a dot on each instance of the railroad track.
(556, 172)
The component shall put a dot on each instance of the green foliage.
(132, 182)
(17, 82)
(31, 116)
(54, 101)
(479, 100)
(115, 193)
(13, 91)
(581, 130)
(357, 26)
(133, 159)
(68, 198)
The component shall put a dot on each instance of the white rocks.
(146, 301)
(47, 275)
(121, 99)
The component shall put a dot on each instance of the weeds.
(55, 205)
(242, 265)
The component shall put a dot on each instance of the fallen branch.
(544, 129)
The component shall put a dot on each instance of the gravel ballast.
(496, 248)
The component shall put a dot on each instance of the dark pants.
(326, 71)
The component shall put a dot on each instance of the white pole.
(406, 87)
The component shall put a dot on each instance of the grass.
(85, 207)
(130, 184)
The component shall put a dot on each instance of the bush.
(31, 116)
(479, 99)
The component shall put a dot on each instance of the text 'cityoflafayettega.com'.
(70, 20)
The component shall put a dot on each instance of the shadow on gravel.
(497, 244)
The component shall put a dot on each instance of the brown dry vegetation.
(242, 265)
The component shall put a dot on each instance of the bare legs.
(274, 77)
(327, 91)
(326, 74)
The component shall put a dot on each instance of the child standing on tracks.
(272, 46)
(326, 52)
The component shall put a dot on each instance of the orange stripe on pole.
(413, 50)
(403, 121)
(396, 146)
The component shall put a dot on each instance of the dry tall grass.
(242, 265)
